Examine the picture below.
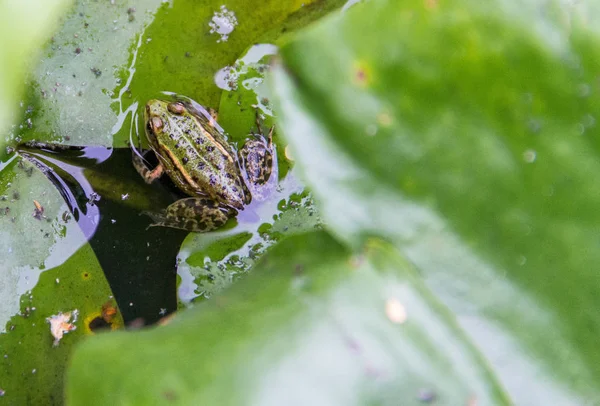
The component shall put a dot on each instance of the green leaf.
(313, 324)
(46, 268)
(23, 26)
(32, 366)
(208, 263)
(76, 94)
(465, 132)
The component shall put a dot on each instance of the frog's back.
(200, 160)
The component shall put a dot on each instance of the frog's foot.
(149, 175)
(257, 159)
(197, 214)
(256, 156)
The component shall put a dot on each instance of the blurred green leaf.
(24, 24)
(465, 132)
(313, 324)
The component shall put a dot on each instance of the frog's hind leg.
(197, 214)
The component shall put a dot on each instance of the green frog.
(194, 152)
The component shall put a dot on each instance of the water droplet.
(426, 395)
(384, 119)
(534, 125)
(371, 129)
(395, 311)
(223, 22)
(589, 121)
(583, 90)
(529, 156)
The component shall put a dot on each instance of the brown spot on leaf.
(362, 74)
(431, 4)
(170, 395)
(109, 311)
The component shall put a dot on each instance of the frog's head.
(157, 117)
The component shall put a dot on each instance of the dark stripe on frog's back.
(227, 190)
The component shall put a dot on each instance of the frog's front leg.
(149, 175)
(199, 214)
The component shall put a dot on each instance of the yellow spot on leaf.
(384, 119)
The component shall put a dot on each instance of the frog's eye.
(155, 124)
(176, 108)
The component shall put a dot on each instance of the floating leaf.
(34, 349)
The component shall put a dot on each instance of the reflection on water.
(81, 197)
(138, 263)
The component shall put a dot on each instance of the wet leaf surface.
(313, 324)
(32, 367)
(26, 31)
(470, 142)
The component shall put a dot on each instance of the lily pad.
(313, 324)
(465, 133)
(209, 263)
(35, 351)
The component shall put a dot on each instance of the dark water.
(139, 262)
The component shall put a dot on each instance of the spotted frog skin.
(195, 154)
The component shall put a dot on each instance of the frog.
(193, 151)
